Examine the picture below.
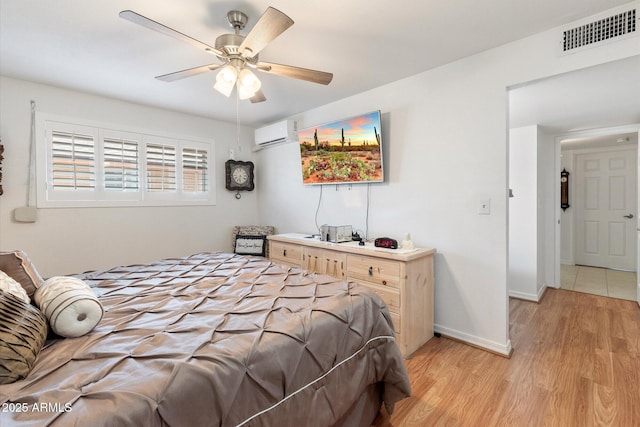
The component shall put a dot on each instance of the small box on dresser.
(403, 279)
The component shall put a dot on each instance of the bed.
(216, 339)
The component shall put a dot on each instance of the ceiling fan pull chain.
(237, 122)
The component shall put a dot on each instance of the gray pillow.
(20, 268)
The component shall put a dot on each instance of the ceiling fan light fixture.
(228, 74)
(248, 81)
(224, 88)
(244, 93)
(226, 79)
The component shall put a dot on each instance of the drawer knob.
(370, 271)
(284, 252)
(384, 282)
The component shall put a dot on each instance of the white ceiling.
(84, 45)
(602, 96)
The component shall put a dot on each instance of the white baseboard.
(503, 349)
(529, 297)
(524, 296)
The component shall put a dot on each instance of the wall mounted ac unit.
(285, 130)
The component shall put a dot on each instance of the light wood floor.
(576, 363)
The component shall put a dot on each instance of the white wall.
(65, 241)
(548, 192)
(445, 132)
(532, 176)
(523, 213)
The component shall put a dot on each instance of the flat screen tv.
(346, 151)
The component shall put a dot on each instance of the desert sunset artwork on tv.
(345, 151)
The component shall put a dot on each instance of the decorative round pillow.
(23, 330)
(70, 306)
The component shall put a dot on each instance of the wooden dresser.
(402, 278)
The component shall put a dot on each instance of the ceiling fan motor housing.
(229, 43)
(237, 19)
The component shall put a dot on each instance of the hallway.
(599, 281)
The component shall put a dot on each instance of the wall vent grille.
(604, 29)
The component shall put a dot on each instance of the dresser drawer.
(324, 261)
(375, 270)
(333, 263)
(312, 260)
(390, 296)
(287, 253)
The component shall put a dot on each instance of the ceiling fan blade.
(313, 76)
(258, 97)
(188, 73)
(271, 24)
(136, 18)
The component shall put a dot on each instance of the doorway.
(599, 100)
(598, 251)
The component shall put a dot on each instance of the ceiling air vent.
(617, 25)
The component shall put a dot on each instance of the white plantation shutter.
(195, 170)
(161, 167)
(86, 164)
(121, 169)
(73, 165)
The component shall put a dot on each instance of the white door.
(606, 215)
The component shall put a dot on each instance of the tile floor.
(599, 281)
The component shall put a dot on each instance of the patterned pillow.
(69, 305)
(9, 285)
(250, 245)
(23, 330)
(20, 268)
(252, 230)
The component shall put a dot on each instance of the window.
(94, 165)
(121, 165)
(194, 170)
(73, 161)
(161, 167)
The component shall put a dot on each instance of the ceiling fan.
(237, 54)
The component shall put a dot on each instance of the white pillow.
(70, 306)
(9, 285)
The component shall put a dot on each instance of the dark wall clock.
(564, 189)
(239, 176)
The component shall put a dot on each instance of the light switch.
(485, 207)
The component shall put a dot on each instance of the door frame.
(558, 210)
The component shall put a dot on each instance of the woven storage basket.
(23, 330)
